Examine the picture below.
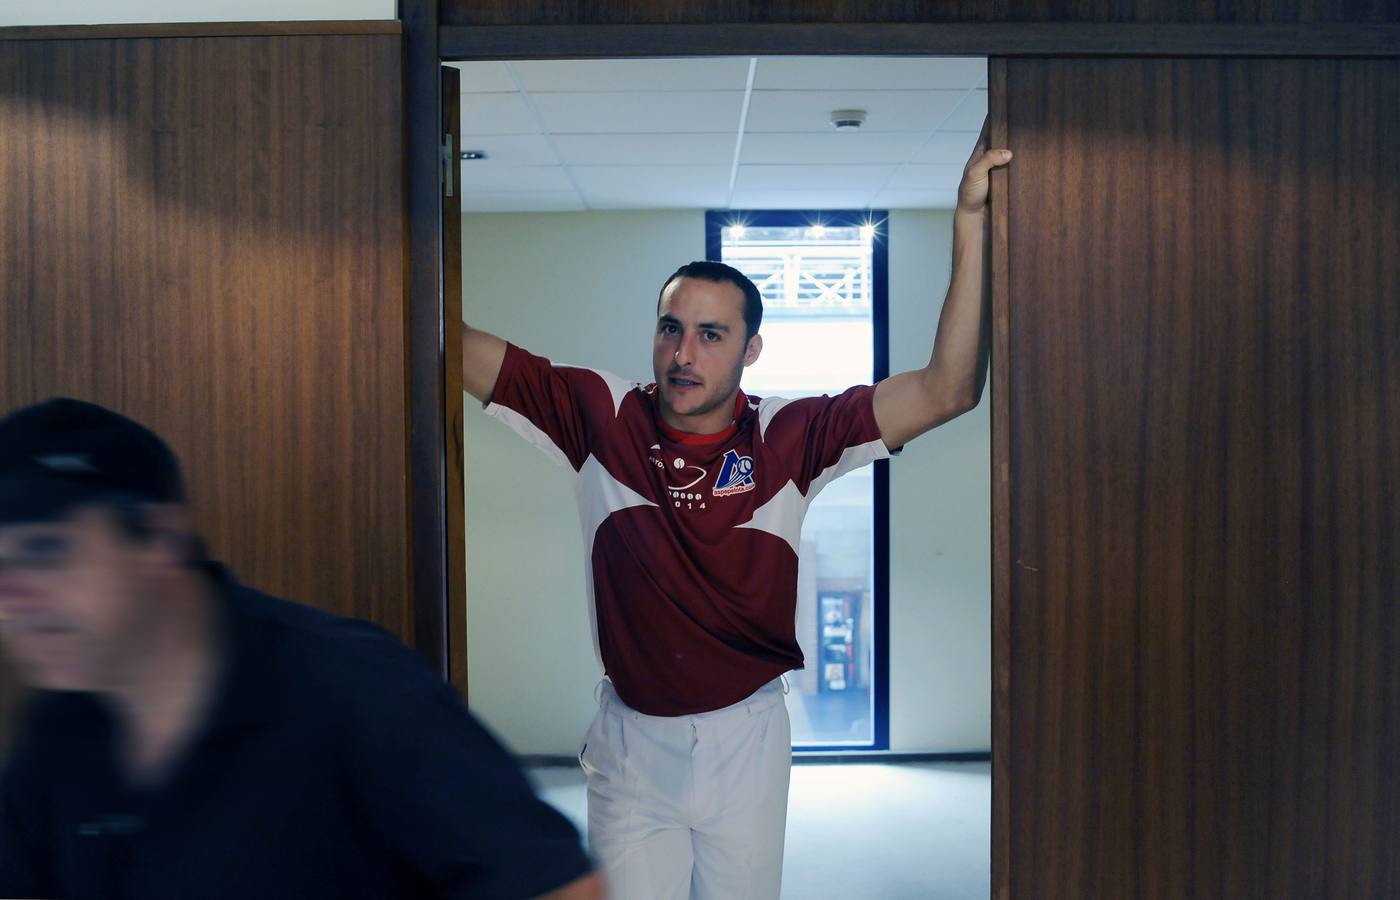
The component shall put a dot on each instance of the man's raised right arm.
(482, 356)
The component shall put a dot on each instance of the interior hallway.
(858, 831)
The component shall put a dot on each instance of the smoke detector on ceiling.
(847, 119)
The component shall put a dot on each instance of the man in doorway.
(691, 496)
(191, 737)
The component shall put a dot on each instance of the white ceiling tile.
(923, 178)
(591, 75)
(676, 197)
(947, 147)
(521, 201)
(917, 199)
(836, 147)
(807, 73)
(885, 110)
(791, 178)
(969, 114)
(516, 178)
(660, 133)
(809, 199)
(497, 114)
(643, 187)
(484, 77)
(508, 150)
(640, 113)
(644, 149)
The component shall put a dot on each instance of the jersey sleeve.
(559, 409)
(824, 437)
(448, 800)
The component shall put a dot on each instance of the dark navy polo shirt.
(333, 764)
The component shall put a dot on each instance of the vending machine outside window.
(838, 634)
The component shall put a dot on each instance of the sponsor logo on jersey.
(735, 475)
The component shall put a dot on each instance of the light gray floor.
(904, 831)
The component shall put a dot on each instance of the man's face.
(73, 602)
(700, 348)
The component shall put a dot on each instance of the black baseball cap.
(62, 453)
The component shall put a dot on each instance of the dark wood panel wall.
(208, 234)
(454, 413)
(1201, 665)
(692, 12)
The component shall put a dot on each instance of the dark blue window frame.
(715, 222)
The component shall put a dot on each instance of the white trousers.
(690, 807)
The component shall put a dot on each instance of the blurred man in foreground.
(191, 737)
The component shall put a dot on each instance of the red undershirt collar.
(686, 437)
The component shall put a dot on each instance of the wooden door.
(206, 232)
(454, 409)
(1197, 461)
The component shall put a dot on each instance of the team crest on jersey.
(735, 475)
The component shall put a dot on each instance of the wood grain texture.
(426, 361)
(999, 284)
(207, 234)
(454, 405)
(939, 39)
(679, 12)
(1199, 11)
(1204, 398)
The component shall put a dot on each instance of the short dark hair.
(719, 273)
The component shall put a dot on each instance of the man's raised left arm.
(911, 403)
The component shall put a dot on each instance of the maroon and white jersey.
(691, 540)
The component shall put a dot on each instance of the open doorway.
(585, 183)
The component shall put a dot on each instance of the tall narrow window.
(823, 277)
